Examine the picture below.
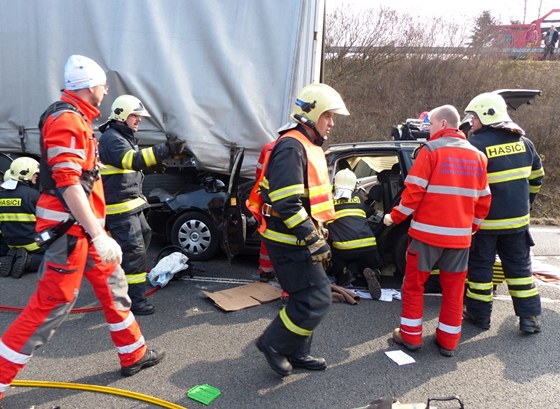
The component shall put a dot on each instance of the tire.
(196, 234)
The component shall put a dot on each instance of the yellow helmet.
(490, 108)
(315, 99)
(22, 169)
(125, 105)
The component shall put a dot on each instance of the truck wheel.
(197, 234)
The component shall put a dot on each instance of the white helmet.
(491, 108)
(344, 184)
(315, 99)
(23, 168)
(125, 105)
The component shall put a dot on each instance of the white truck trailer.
(219, 73)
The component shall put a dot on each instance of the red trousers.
(265, 265)
(420, 260)
(65, 263)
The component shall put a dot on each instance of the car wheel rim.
(194, 236)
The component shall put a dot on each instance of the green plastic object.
(204, 393)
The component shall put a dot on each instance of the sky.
(502, 10)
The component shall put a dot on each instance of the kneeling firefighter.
(18, 205)
(292, 201)
(122, 180)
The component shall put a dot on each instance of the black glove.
(158, 168)
(318, 247)
(175, 145)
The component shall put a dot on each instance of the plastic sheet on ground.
(166, 268)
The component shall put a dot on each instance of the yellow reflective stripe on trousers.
(480, 286)
(520, 281)
(136, 278)
(118, 208)
(524, 293)
(355, 244)
(290, 326)
(479, 297)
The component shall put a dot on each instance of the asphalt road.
(498, 368)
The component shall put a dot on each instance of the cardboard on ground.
(245, 296)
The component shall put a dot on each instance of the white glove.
(108, 249)
(388, 220)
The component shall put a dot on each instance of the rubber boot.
(21, 263)
(7, 262)
(140, 305)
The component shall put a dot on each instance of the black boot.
(303, 359)
(140, 305)
(21, 263)
(6, 263)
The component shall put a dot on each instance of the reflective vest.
(319, 188)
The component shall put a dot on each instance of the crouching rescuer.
(292, 201)
(122, 180)
(18, 204)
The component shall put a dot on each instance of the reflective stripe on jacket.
(70, 146)
(515, 176)
(17, 216)
(350, 230)
(124, 161)
(446, 192)
(298, 187)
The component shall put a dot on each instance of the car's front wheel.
(197, 234)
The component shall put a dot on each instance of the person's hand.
(175, 145)
(108, 249)
(388, 220)
(318, 247)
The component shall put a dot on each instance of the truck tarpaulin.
(219, 73)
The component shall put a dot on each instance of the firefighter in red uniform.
(447, 194)
(72, 199)
(515, 176)
(297, 197)
(18, 201)
(350, 237)
(122, 182)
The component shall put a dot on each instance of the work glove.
(318, 247)
(388, 220)
(175, 145)
(108, 249)
(157, 168)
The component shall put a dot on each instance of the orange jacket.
(71, 147)
(446, 192)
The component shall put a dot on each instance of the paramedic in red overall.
(297, 194)
(447, 194)
(72, 188)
